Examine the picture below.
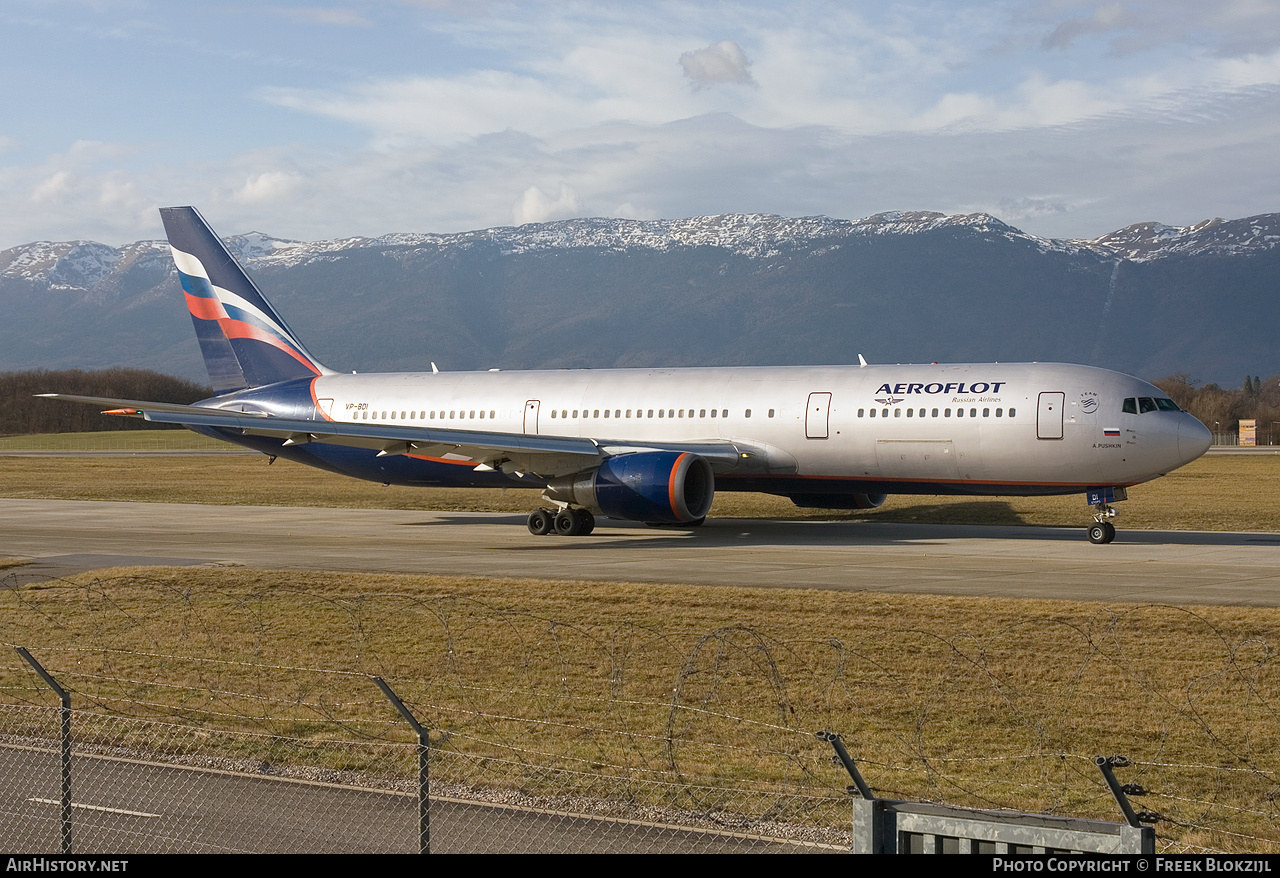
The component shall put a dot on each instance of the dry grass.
(1226, 492)
(983, 702)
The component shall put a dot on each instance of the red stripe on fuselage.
(315, 400)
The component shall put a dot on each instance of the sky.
(332, 120)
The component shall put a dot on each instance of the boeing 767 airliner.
(653, 445)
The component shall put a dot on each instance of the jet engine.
(838, 501)
(668, 487)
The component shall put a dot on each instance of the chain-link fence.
(152, 787)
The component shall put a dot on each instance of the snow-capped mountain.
(735, 288)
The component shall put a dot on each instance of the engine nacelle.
(668, 487)
(839, 501)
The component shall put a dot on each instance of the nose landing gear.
(1102, 531)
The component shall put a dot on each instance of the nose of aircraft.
(1194, 439)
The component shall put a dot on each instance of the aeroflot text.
(939, 387)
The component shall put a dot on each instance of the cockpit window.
(1143, 404)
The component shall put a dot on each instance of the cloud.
(722, 62)
(268, 186)
(535, 206)
(1104, 19)
(331, 17)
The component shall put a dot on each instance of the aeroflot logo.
(938, 387)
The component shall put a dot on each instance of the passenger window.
(713, 412)
(702, 413)
(659, 412)
(748, 414)
(651, 413)
(897, 413)
(771, 413)
(986, 413)
(910, 412)
(553, 413)
(1012, 412)
(873, 413)
(946, 413)
(959, 413)
(999, 412)
(935, 413)
(861, 412)
(973, 413)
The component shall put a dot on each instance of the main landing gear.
(567, 522)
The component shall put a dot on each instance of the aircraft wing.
(541, 455)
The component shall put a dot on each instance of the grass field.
(114, 441)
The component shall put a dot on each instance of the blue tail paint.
(244, 341)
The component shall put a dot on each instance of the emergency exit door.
(816, 416)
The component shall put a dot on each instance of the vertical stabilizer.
(244, 341)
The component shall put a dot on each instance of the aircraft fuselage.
(1011, 429)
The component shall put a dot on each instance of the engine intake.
(669, 487)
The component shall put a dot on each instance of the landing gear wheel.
(574, 522)
(540, 522)
(1102, 532)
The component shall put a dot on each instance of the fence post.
(424, 789)
(868, 811)
(65, 698)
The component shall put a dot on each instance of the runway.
(66, 536)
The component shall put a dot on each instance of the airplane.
(654, 445)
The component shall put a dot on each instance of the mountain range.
(736, 289)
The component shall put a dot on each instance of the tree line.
(1222, 408)
(22, 412)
